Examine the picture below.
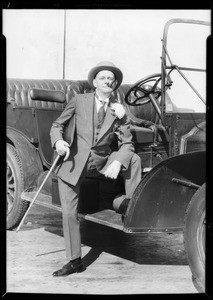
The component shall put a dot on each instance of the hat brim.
(93, 72)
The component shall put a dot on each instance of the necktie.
(101, 113)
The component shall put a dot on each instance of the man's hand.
(113, 170)
(62, 148)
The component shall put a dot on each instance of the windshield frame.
(167, 68)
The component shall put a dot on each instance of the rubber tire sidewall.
(19, 206)
(194, 213)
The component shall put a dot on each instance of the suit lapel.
(88, 109)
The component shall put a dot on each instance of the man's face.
(105, 81)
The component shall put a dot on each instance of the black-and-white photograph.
(106, 150)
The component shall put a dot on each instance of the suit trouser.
(69, 196)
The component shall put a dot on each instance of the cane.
(36, 195)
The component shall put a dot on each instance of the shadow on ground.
(151, 249)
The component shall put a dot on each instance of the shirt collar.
(97, 97)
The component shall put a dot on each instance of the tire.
(16, 207)
(194, 237)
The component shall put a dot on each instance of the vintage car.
(170, 141)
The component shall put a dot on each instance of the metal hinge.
(185, 183)
(33, 112)
(34, 140)
(11, 101)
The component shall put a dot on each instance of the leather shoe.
(75, 266)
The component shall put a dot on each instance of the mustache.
(111, 85)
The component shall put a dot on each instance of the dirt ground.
(116, 262)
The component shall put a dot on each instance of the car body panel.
(160, 200)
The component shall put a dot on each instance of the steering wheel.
(140, 92)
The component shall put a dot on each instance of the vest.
(96, 131)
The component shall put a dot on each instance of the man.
(96, 120)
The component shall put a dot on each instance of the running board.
(105, 217)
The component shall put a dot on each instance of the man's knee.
(133, 168)
(136, 160)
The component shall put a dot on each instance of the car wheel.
(195, 236)
(16, 207)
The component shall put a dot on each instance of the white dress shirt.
(99, 102)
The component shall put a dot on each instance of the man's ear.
(94, 83)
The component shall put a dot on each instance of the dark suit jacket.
(78, 114)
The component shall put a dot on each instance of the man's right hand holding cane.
(62, 148)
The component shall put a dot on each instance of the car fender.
(161, 198)
(31, 163)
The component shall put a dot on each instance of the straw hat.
(105, 65)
